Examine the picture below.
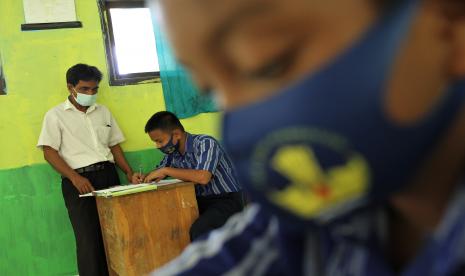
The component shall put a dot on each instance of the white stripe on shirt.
(212, 245)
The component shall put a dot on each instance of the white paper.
(48, 11)
(167, 181)
(121, 188)
(131, 186)
(115, 189)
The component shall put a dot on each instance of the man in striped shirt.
(199, 159)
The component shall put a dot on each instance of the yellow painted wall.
(35, 63)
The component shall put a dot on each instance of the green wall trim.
(36, 236)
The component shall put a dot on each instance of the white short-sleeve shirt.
(81, 139)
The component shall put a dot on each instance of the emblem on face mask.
(315, 172)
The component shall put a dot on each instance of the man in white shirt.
(80, 139)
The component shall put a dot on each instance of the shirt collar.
(69, 105)
(444, 249)
(454, 213)
(189, 147)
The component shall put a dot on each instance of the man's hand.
(82, 184)
(129, 176)
(156, 175)
(137, 178)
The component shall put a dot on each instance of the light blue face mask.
(323, 147)
(84, 99)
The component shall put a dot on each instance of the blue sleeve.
(245, 245)
(165, 162)
(208, 154)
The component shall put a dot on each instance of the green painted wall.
(35, 234)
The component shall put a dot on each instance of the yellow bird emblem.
(312, 190)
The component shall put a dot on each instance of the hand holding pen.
(138, 177)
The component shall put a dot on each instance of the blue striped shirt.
(203, 152)
(256, 243)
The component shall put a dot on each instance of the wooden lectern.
(143, 231)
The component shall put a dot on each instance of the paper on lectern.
(118, 190)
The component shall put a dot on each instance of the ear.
(454, 13)
(70, 88)
(177, 133)
(458, 48)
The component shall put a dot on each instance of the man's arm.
(197, 176)
(121, 161)
(81, 183)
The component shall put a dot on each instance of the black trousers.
(214, 211)
(84, 218)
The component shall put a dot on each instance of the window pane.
(134, 40)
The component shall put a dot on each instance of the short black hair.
(163, 120)
(83, 72)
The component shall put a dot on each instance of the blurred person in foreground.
(346, 122)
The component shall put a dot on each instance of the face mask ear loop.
(75, 97)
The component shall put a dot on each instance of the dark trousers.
(85, 221)
(214, 211)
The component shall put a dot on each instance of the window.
(130, 42)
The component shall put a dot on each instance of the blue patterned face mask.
(170, 147)
(324, 146)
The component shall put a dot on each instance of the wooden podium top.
(142, 231)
